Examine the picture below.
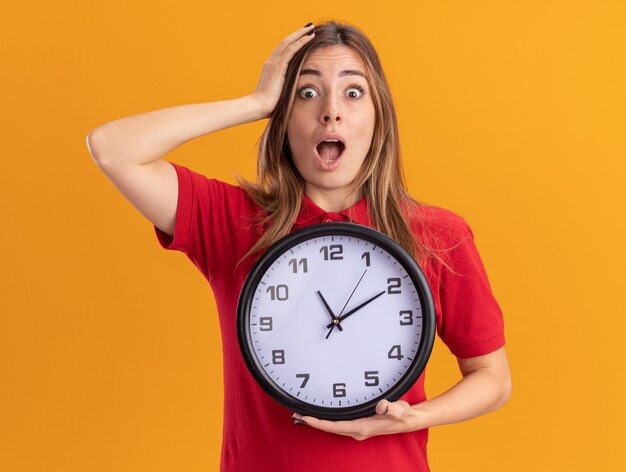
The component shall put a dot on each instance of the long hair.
(279, 187)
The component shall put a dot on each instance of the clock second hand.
(335, 322)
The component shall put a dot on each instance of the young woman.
(330, 152)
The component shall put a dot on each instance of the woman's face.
(331, 124)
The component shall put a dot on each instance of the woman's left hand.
(390, 418)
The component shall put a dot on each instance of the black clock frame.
(323, 230)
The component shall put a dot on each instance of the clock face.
(335, 317)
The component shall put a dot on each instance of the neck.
(333, 200)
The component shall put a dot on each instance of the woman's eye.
(307, 92)
(355, 92)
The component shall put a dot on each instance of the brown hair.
(279, 187)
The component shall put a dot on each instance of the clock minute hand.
(330, 312)
(354, 310)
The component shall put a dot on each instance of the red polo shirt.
(215, 228)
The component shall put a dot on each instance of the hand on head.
(272, 79)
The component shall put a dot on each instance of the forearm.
(146, 137)
(479, 392)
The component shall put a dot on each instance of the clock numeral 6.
(393, 287)
(305, 377)
(278, 292)
(334, 252)
(397, 355)
(294, 263)
(278, 356)
(408, 317)
(339, 390)
(373, 376)
(266, 323)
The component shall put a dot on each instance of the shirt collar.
(310, 213)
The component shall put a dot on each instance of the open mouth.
(330, 150)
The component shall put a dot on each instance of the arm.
(129, 150)
(145, 138)
(485, 387)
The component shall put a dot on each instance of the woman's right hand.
(272, 79)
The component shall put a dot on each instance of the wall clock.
(333, 318)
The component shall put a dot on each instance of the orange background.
(511, 114)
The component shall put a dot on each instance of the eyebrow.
(343, 73)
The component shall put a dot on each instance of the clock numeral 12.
(278, 292)
(278, 356)
(334, 253)
(339, 390)
(373, 376)
(398, 354)
(295, 262)
(305, 377)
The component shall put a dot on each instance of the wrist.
(258, 106)
(424, 416)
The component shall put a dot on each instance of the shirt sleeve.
(471, 322)
(202, 223)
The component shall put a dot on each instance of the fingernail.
(307, 25)
(297, 421)
(311, 32)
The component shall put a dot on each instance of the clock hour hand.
(354, 310)
(330, 312)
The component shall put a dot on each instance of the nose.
(330, 110)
